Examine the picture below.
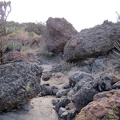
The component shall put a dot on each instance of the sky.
(81, 13)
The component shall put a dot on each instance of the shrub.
(31, 33)
(36, 28)
(116, 52)
(12, 35)
(44, 51)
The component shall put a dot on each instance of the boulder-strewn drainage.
(65, 90)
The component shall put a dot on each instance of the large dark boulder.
(84, 95)
(92, 42)
(58, 32)
(19, 82)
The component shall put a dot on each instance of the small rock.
(114, 78)
(61, 92)
(116, 85)
(55, 101)
(66, 86)
(46, 76)
(61, 110)
(61, 103)
(57, 68)
(87, 68)
(71, 106)
(105, 81)
(46, 68)
(98, 65)
(71, 93)
(46, 90)
(54, 90)
(27, 107)
(71, 114)
(58, 75)
(64, 115)
(88, 61)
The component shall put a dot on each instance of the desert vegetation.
(14, 35)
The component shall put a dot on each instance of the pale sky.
(81, 13)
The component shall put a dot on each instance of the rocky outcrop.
(59, 31)
(105, 106)
(92, 42)
(85, 87)
(19, 81)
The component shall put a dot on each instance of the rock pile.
(83, 87)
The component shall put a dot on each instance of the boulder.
(84, 95)
(105, 106)
(19, 82)
(58, 32)
(92, 42)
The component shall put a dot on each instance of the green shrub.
(12, 35)
(10, 44)
(38, 28)
(31, 33)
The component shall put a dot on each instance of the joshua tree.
(5, 9)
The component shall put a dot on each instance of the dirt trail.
(42, 109)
